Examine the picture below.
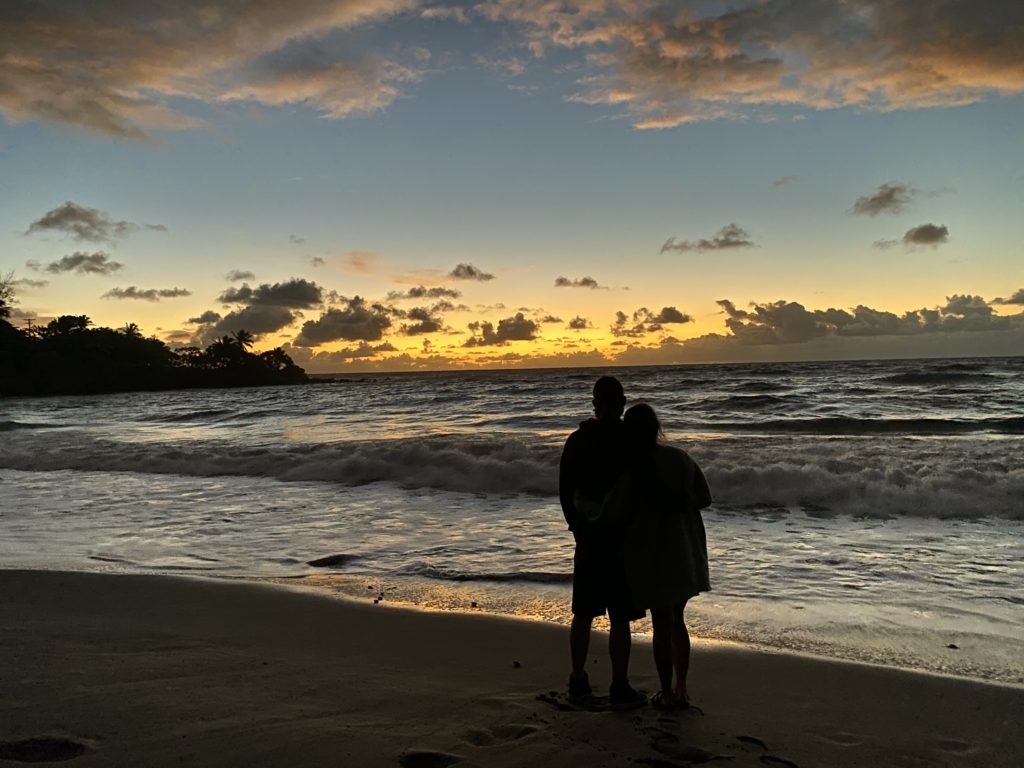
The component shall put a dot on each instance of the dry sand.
(117, 670)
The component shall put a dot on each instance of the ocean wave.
(11, 426)
(931, 378)
(451, 463)
(450, 574)
(750, 402)
(873, 478)
(850, 426)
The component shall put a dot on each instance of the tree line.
(70, 356)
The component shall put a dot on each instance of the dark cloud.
(420, 292)
(145, 294)
(550, 319)
(357, 321)
(789, 322)
(258, 319)
(728, 237)
(579, 323)
(317, 261)
(296, 293)
(1016, 298)
(927, 234)
(239, 274)
(780, 322)
(83, 224)
(924, 235)
(423, 321)
(582, 282)
(98, 263)
(889, 198)
(643, 321)
(124, 69)
(209, 316)
(469, 272)
(296, 240)
(515, 328)
(29, 283)
(782, 181)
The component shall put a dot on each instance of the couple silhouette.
(633, 506)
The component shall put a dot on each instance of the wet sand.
(118, 670)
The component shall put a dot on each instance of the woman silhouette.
(656, 504)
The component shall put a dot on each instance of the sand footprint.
(956, 746)
(667, 743)
(502, 733)
(41, 750)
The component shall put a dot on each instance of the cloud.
(98, 263)
(549, 319)
(469, 272)
(145, 294)
(420, 292)
(125, 69)
(83, 224)
(789, 322)
(258, 319)
(442, 13)
(268, 308)
(582, 282)
(357, 321)
(668, 63)
(927, 234)
(296, 240)
(579, 324)
(335, 89)
(783, 181)
(728, 237)
(209, 316)
(296, 293)
(889, 198)
(1016, 298)
(30, 283)
(780, 322)
(424, 321)
(239, 274)
(924, 235)
(644, 321)
(515, 328)
(361, 262)
(316, 261)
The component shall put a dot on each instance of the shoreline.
(159, 670)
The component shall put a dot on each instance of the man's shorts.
(599, 584)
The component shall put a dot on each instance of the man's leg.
(619, 642)
(579, 643)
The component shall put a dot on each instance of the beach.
(144, 670)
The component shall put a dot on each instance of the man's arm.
(568, 479)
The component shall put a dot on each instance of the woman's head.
(642, 426)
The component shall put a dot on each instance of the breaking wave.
(894, 477)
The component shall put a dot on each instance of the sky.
(404, 185)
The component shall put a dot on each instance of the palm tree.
(131, 329)
(6, 294)
(243, 338)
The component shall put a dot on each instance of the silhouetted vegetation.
(68, 356)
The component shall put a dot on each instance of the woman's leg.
(680, 650)
(661, 623)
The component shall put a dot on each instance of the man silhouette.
(591, 463)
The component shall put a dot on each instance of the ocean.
(870, 510)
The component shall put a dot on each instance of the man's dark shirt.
(591, 463)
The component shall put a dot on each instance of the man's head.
(609, 399)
